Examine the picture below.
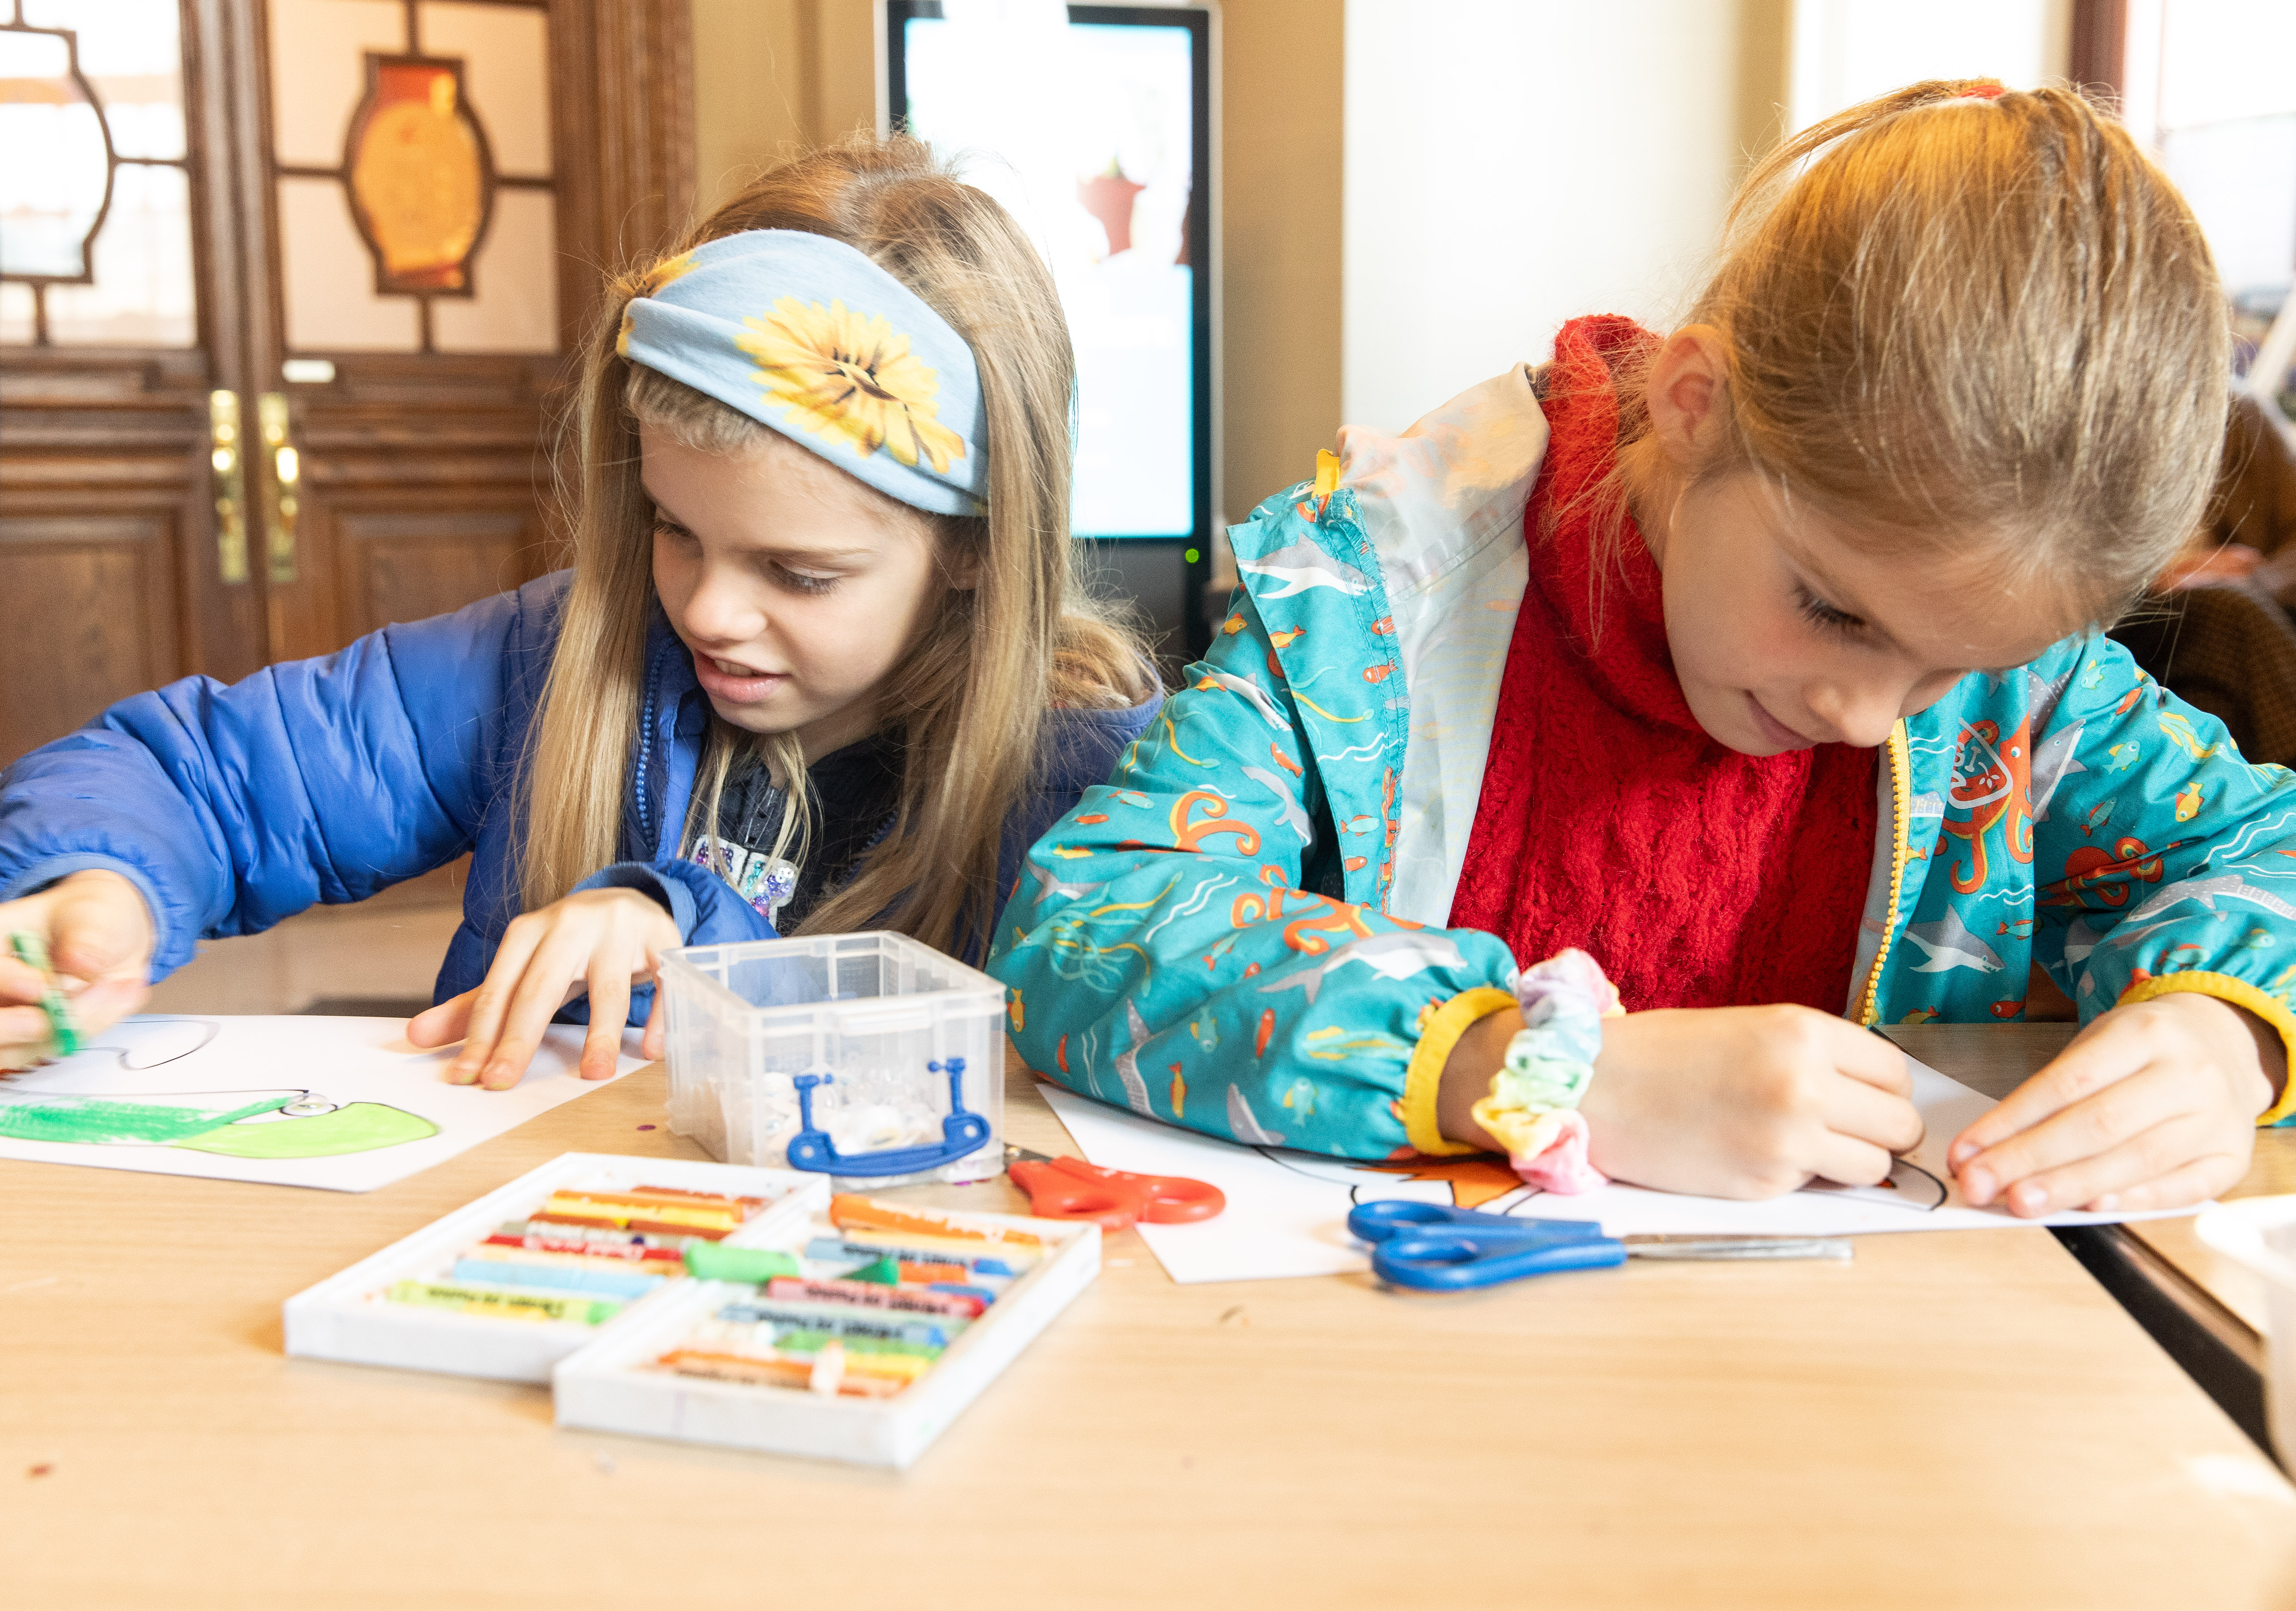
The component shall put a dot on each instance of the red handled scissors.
(1070, 1189)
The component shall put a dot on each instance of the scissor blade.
(1720, 1248)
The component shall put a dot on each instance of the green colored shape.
(97, 1120)
(354, 1127)
(715, 1262)
(884, 1273)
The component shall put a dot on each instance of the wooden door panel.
(417, 478)
(406, 565)
(105, 490)
(86, 619)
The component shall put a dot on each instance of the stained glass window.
(97, 233)
(418, 176)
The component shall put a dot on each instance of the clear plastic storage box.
(893, 1052)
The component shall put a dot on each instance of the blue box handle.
(962, 1133)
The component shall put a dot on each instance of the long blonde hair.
(1957, 309)
(965, 700)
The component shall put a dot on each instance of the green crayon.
(34, 954)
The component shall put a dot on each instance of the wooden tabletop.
(2272, 1173)
(1950, 1419)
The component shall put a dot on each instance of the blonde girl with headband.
(1580, 774)
(818, 664)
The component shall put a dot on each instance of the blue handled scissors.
(1440, 1249)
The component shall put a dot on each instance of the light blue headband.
(806, 335)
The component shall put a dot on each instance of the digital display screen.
(1092, 129)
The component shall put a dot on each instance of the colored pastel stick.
(602, 1235)
(843, 1319)
(860, 1362)
(489, 1252)
(959, 1289)
(557, 1278)
(633, 1215)
(830, 1248)
(716, 1261)
(988, 1260)
(849, 1211)
(771, 1339)
(909, 1299)
(661, 1198)
(748, 1207)
(796, 1341)
(773, 1373)
(621, 1253)
(506, 1306)
(646, 1228)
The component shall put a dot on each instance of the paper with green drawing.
(342, 1104)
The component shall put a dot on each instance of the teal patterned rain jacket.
(1242, 931)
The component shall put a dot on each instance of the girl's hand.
(2153, 1105)
(99, 937)
(1724, 1101)
(604, 940)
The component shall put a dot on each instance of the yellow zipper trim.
(1901, 766)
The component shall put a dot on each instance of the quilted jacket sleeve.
(2163, 862)
(1164, 955)
(312, 781)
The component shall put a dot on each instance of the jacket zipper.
(648, 831)
(1901, 765)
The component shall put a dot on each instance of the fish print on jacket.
(1217, 912)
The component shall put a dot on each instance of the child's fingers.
(1879, 1117)
(2156, 1152)
(19, 983)
(656, 1032)
(26, 1027)
(2096, 1059)
(1849, 1162)
(541, 991)
(443, 1024)
(1869, 1057)
(2086, 1129)
(99, 928)
(491, 1000)
(610, 1009)
(104, 1004)
(2193, 1182)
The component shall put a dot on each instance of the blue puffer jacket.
(323, 781)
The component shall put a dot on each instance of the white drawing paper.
(1287, 1211)
(341, 1104)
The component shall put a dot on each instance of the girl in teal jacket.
(1764, 664)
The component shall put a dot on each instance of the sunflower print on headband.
(845, 376)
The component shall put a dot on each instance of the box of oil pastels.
(881, 1324)
(572, 1251)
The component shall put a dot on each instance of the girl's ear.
(1686, 395)
(959, 553)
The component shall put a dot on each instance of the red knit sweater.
(1696, 875)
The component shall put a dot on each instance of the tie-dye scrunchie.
(1533, 1106)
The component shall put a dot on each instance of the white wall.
(1513, 163)
(1848, 51)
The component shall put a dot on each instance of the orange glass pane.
(418, 177)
